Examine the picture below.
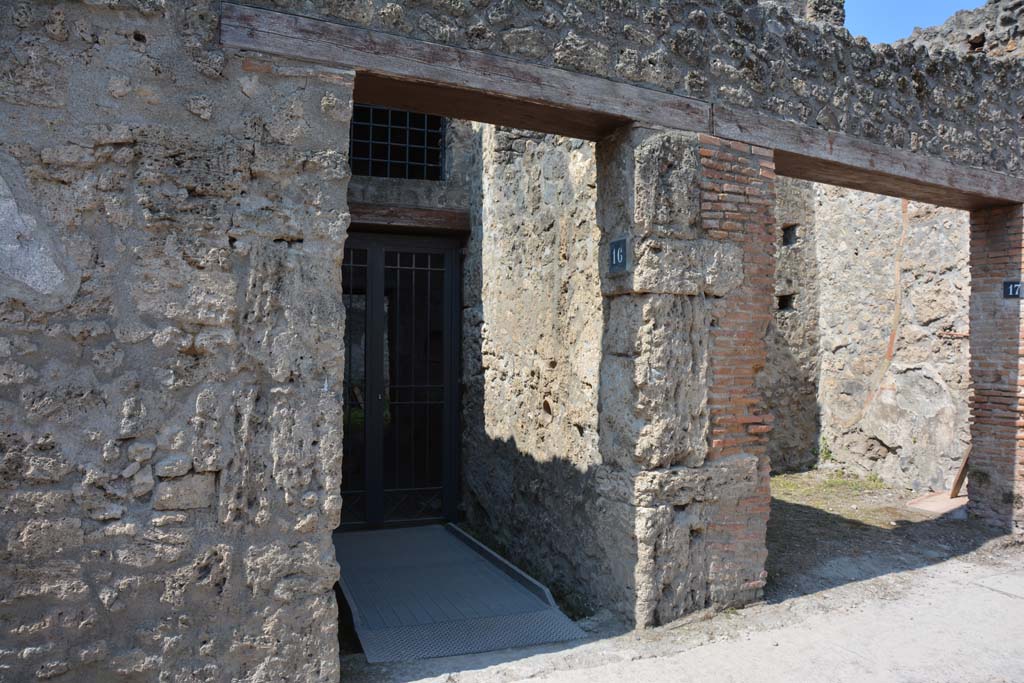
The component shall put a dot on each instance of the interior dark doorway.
(401, 296)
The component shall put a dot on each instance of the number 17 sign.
(1011, 290)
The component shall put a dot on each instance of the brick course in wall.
(996, 472)
(738, 198)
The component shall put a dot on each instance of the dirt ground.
(860, 588)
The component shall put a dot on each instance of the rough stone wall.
(171, 220)
(532, 344)
(836, 390)
(857, 311)
(995, 29)
(927, 383)
(894, 288)
(797, 8)
(743, 53)
(790, 380)
(827, 11)
(450, 193)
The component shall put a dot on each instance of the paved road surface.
(960, 619)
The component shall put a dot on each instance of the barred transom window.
(389, 143)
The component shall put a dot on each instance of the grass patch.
(825, 451)
(833, 482)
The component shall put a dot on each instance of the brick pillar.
(686, 313)
(996, 472)
(737, 208)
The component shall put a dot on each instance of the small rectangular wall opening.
(785, 302)
(790, 235)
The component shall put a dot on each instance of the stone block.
(690, 267)
(141, 451)
(666, 192)
(653, 381)
(142, 481)
(36, 268)
(185, 493)
(44, 538)
(175, 465)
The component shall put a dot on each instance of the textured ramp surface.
(432, 591)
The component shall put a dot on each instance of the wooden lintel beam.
(462, 83)
(809, 168)
(459, 103)
(453, 221)
(840, 159)
(570, 104)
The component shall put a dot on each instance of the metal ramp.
(434, 591)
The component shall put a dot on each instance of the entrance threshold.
(434, 591)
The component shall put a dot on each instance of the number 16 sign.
(617, 256)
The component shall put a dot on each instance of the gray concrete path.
(961, 619)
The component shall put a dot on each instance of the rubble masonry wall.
(171, 339)
(864, 274)
(790, 380)
(531, 350)
(894, 386)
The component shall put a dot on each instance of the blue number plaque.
(617, 256)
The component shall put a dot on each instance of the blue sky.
(884, 21)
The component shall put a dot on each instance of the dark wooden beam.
(460, 103)
(838, 159)
(453, 221)
(809, 168)
(462, 83)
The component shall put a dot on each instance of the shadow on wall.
(562, 544)
(534, 488)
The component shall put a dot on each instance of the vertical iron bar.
(373, 360)
(391, 113)
(427, 360)
(411, 453)
(396, 351)
(450, 438)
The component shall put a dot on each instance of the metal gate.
(401, 298)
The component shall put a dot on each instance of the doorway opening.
(439, 296)
(401, 296)
(869, 383)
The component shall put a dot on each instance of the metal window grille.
(389, 143)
